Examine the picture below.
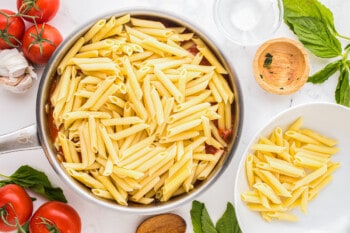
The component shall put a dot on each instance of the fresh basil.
(316, 37)
(228, 222)
(268, 61)
(196, 216)
(207, 223)
(308, 8)
(342, 93)
(36, 181)
(202, 222)
(313, 23)
(325, 73)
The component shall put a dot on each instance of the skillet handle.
(22, 139)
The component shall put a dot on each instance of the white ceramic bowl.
(330, 211)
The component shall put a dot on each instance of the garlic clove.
(15, 73)
(30, 71)
(11, 81)
(12, 63)
(25, 82)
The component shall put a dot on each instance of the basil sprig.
(202, 222)
(36, 181)
(313, 24)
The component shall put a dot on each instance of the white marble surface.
(17, 111)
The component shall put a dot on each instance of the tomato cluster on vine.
(16, 213)
(40, 39)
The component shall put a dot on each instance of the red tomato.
(39, 42)
(225, 134)
(42, 10)
(55, 216)
(14, 202)
(209, 149)
(11, 29)
(193, 49)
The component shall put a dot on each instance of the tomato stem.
(27, 4)
(20, 229)
(4, 217)
(39, 40)
(50, 225)
(4, 32)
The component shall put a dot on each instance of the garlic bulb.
(15, 73)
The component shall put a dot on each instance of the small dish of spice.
(281, 66)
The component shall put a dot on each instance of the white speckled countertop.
(17, 111)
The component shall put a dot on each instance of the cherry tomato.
(14, 203)
(11, 29)
(54, 216)
(39, 42)
(42, 10)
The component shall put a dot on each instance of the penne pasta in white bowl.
(293, 176)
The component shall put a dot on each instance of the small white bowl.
(330, 210)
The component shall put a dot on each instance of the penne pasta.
(147, 23)
(71, 53)
(136, 108)
(287, 169)
(321, 138)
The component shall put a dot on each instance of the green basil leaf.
(35, 180)
(196, 213)
(342, 92)
(228, 222)
(207, 223)
(325, 73)
(4, 182)
(316, 37)
(339, 84)
(309, 8)
(51, 193)
(55, 193)
(326, 15)
(201, 220)
(26, 176)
